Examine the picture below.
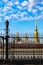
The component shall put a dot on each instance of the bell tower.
(36, 39)
(26, 38)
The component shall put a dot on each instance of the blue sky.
(21, 15)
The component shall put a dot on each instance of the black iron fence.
(25, 47)
(21, 47)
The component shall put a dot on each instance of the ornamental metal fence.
(21, 47)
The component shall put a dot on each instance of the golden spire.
(36, 39)
(36, 23)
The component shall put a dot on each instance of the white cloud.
(27, 18)
(7, 18)
(21, 16)
(19, 7)
(42, 2)
(24, 3)
(33, 3)
(30, 5)
(40, 8)
(40, 17)
(37, 7)
(18, 12)
(9, 3)
(16, 2)
(34, 10)
(30, 18)
(1, 14)
(24, 13)
(14, 15)
(6, 9)
(5, 0)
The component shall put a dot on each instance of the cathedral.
(25, 39)
(23, 49)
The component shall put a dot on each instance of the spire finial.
(36, 21)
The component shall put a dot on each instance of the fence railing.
(21, 47)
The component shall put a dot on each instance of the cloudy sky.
(21, 15)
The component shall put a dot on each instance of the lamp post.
(7, 24)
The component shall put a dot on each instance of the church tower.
(26, 38)
(36, 39)
(17, 38)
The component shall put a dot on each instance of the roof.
(22, 45)
(27, 46)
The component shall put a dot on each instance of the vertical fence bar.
(7, 23)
